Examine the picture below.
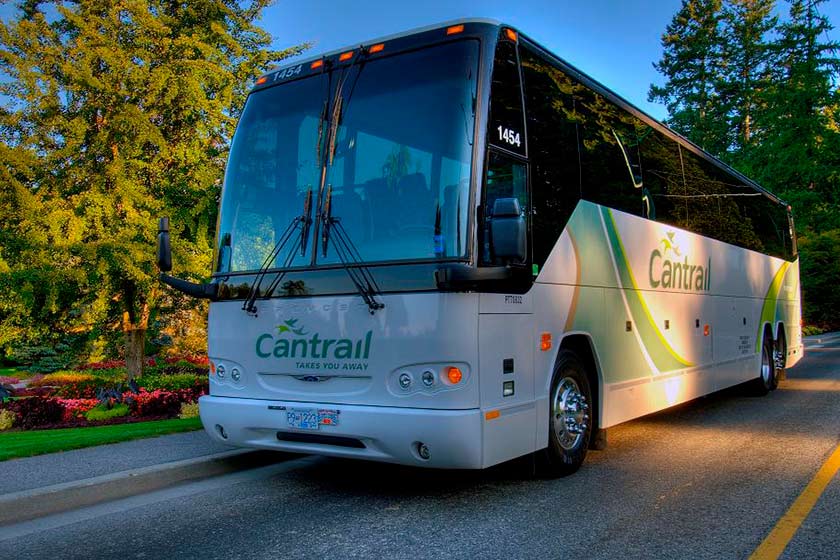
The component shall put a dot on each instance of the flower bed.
(99, 394)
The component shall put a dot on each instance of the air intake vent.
(336, 441)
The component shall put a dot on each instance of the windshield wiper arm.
(301, 222)
(349, 256)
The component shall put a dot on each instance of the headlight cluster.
(428, 378)
(226, 372)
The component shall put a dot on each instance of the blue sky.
(614, 41)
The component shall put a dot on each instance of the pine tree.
(117, 112)
(801, 154)
(693, 65)
(747, 77)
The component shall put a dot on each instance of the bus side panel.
(506, 336)
(681, 314)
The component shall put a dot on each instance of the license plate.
(311, 418)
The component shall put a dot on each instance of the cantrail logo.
(666, 272)
(294, 341)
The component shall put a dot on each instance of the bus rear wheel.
(569, 422)
(766, 380)
(779, 358)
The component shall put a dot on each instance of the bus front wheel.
(569, 422)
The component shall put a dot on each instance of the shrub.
(102, 412)
(810, 330)
(155, 403)
(37, 411)
(76, 408)
(60, 378)
(189, 410)
(171, 382)
(7, 419)
(8, 380)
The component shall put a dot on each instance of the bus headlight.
(405, 380)
(235, 374)
(428, 378)
(220, 371)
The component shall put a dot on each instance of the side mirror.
(164, 249)
(508, 233)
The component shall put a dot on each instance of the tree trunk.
(135, 342)
(134, 330)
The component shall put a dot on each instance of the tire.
(779, 358)
(766, 379)
(569, 423)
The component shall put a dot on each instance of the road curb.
(22, 506)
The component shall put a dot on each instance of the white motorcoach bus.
(450, 248)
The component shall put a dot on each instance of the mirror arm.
(201, 291)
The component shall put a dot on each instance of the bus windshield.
(399, 170)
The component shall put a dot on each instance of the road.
(709, 479)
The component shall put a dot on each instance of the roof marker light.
(317, 64)
(379, 47)
(345, 56)
(262, 80)
(454, 29)
(511, 34)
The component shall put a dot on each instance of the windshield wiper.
(349, 256)
(301, 222)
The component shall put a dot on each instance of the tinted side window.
(552, 141)
(664, 186)
(506, 128)
(609, 153)
(716, 204)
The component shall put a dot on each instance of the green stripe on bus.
(768, 310)
(663, 355)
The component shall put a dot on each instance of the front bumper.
(389, 434)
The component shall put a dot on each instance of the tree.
(747, 76)
(801, 154)
(693, 66)
(117, 112)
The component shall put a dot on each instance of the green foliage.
(7, 419)
(820, 271)
(693, 65)
(102, 412)
(188, 410)
(811, 330)
(114, 113)
(171, 382)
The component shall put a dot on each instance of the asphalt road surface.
(710, 479)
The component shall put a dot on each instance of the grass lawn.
(37, 442)
(8, 371)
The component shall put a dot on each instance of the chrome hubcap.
(571, 413)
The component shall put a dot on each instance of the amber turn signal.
(454, 375)
(545, 341)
